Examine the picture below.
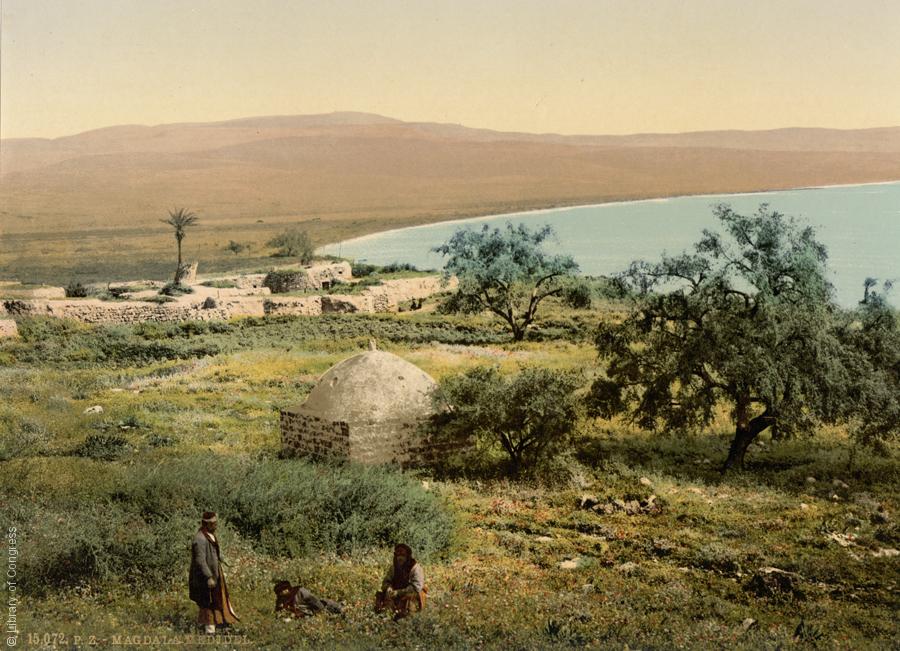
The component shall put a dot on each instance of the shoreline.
(614, 202)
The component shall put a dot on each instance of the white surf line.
(619, 202)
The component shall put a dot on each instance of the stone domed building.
(369, 408)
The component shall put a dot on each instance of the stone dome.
(371, 387)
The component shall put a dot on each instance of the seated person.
(403, 586)
(300, 602)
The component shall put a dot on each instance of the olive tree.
(747, 320)
(293, 243)
(505, 271)
(871, 335)
(528, 415)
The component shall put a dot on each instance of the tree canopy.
(747, 319)
(294, 243)
(505, 271)
(528, 415)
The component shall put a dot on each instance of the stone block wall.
(282, 282)
(346, 303)
(302, 306)
(394, 442)
(250, 281)
(307, 279)
(95, 311)
(303, 435)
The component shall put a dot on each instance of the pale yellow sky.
(565, 66)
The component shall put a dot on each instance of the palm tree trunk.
(178, 264)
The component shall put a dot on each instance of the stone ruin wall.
(303, 436)
(124, 312)
(300, 306)
(307, 279)
(396, 442)
(380, 298)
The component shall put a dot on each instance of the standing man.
(206, 581)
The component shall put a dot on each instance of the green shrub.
(219, 284)
(175, 289)
(577, 295)
(76, 290)
(295, 508)
(99, 542)
(237, 247)
(529, 415)
(293, 243)
(396, 267)
(158, 299)
(22, 438)
(103, 447)
(361, 269)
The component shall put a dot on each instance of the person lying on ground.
(300, 602)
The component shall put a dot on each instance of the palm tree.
(180, 220)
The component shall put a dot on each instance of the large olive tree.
(505, 271)
(747, 320)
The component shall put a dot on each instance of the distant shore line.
(601, 204)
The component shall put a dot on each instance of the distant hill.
(343, 174)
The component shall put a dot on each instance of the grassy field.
(190, 417)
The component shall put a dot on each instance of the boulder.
(187, 273)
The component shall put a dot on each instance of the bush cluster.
(141, 531)
(103, 447)
(175, 289)
(76, 290)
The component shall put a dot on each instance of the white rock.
(544, 539)
(837, 483)
(645, 482)
(804, 506)
(810, 480)
(628, 567)
(96, 409)
(885, 553)
(569, 565)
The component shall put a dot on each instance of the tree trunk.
(178, 264)
(744, 433)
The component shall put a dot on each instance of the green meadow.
(105, 504)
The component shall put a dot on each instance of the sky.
(561, 66)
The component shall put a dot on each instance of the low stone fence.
(380, 298)
(95, 311)
(296, 306)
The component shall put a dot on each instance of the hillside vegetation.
(107, 502)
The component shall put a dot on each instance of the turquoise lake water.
(859, 224)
